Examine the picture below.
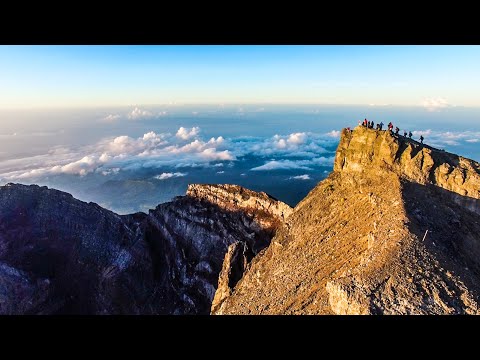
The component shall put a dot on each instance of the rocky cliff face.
(62, 255)
(381, 235)
(190, 237)
(364, 149)
(266, 210)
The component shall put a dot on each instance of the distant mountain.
(59, 255)
(395, 229)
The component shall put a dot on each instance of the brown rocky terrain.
(59, 255)
(394, 229)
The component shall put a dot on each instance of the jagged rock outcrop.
(265, 209)
(234, 265)
(358, 243)
(61, 255)
(192, 234)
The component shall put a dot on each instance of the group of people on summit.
(369, 124)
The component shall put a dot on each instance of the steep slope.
(191, 234)
(62, 255)
(355, 244)
(84, 257)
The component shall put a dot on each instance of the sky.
(97, 76)
(129, 127)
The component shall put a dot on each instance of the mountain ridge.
(386, 233)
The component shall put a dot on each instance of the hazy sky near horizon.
(94, 76)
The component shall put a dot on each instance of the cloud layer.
(152, 150)
(185, 148)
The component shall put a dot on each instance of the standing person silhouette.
(404, 133)
(421, 139)
(410, 134)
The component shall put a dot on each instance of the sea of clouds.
(184, 148)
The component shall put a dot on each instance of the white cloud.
(297, 138)
(294, 164)
(212, 154)
(434, 104)
(82, 167)
(417, 133)
(220, 172)
(300, 177)
(280, 165)
(169, 175)
(138, 113)
(218, 141)
(334, 134)
(281, 144)
(472, 140)
(111, 118)
(186, 134)
(111, 171)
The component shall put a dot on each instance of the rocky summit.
(394, 229)
(59, 255)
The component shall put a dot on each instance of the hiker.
(372, 124)
(421, 139)
(365, 122)
(390, 126)
(378, 127)
(381, 125)
(410, 134)
(404, 133)
(396, 130)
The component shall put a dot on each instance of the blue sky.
(96, 76)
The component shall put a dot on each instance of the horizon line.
(185, 104)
